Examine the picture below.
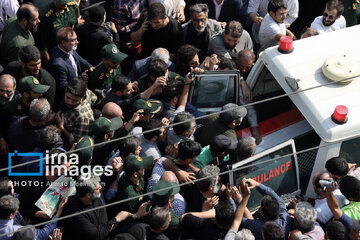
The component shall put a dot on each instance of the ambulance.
(307, 97)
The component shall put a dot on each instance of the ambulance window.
(350, 150)
(265, 84)
(281, 175)
(214, 90)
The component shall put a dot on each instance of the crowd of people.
(110, 82)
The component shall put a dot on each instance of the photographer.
(324, 214)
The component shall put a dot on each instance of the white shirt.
(318, 25)
(172, 7)
(218, 8)
(324, 213)
(269, 28)
(7, 8)
(260, 7)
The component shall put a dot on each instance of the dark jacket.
(92, 38)
(61, 69)
(93, 225)
(231, 10)
(44, 77)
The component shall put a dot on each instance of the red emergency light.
(286, 44)
(340, 114)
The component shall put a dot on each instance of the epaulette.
(49, 12)
(71, 3)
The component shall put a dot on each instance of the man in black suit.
(65, 63)
(224, 10)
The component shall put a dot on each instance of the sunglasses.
(325, 15)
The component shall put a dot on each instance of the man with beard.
(30, 89)
(93, 224)
(157, 30)
(76, 118)
(30, 65)
(200, 29)
(65, 62)
(58, 14)
(273, 27)
(7, 89)
(332, 18)
(229, 43)
(18, 32)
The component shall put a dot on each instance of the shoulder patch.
(49, 12)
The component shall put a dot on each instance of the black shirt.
(169, 37)
(124, 103)
(44, 77)
(197, 228)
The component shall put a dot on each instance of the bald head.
(7, 88)
(111, 110)
(169, 176)
(245, 61)
(28, 17)
(161, 53)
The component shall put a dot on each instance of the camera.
(327, 184)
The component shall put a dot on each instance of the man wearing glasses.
(332, 18)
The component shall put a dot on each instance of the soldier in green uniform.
(164, 199)
(17, 32)
(59, 14)
(30, 89)
(132, 184)
(157, 68)
(101, 77)
(351, 12)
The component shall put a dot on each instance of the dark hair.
(185, 126)
(128, 145)
(172, 89)
(318, 178)
(224, 213)
(49, 136)
(245, 148)
(350, 188)
(76, 87)
(151, 124)
(337, 166)
(275, 5)
(227, 63)
(188, 149)
(119, 83)
(159, 217)
(25, 10)
(335, 4)
(273, 231)
(210, 173)
(335, 230)
(29, 53)
(62, 34)
(184, 55)
(5, 186)
(270, 208)
(8, 205)
(199, 8)
(156, 11)
(157, 67)
(234, 28)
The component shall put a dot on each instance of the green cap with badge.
(149, 107)
(112, 53)
(31, 83)
(85, 154)
(103, 125)
(134, 163)
(167, 193)
(63, 2)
